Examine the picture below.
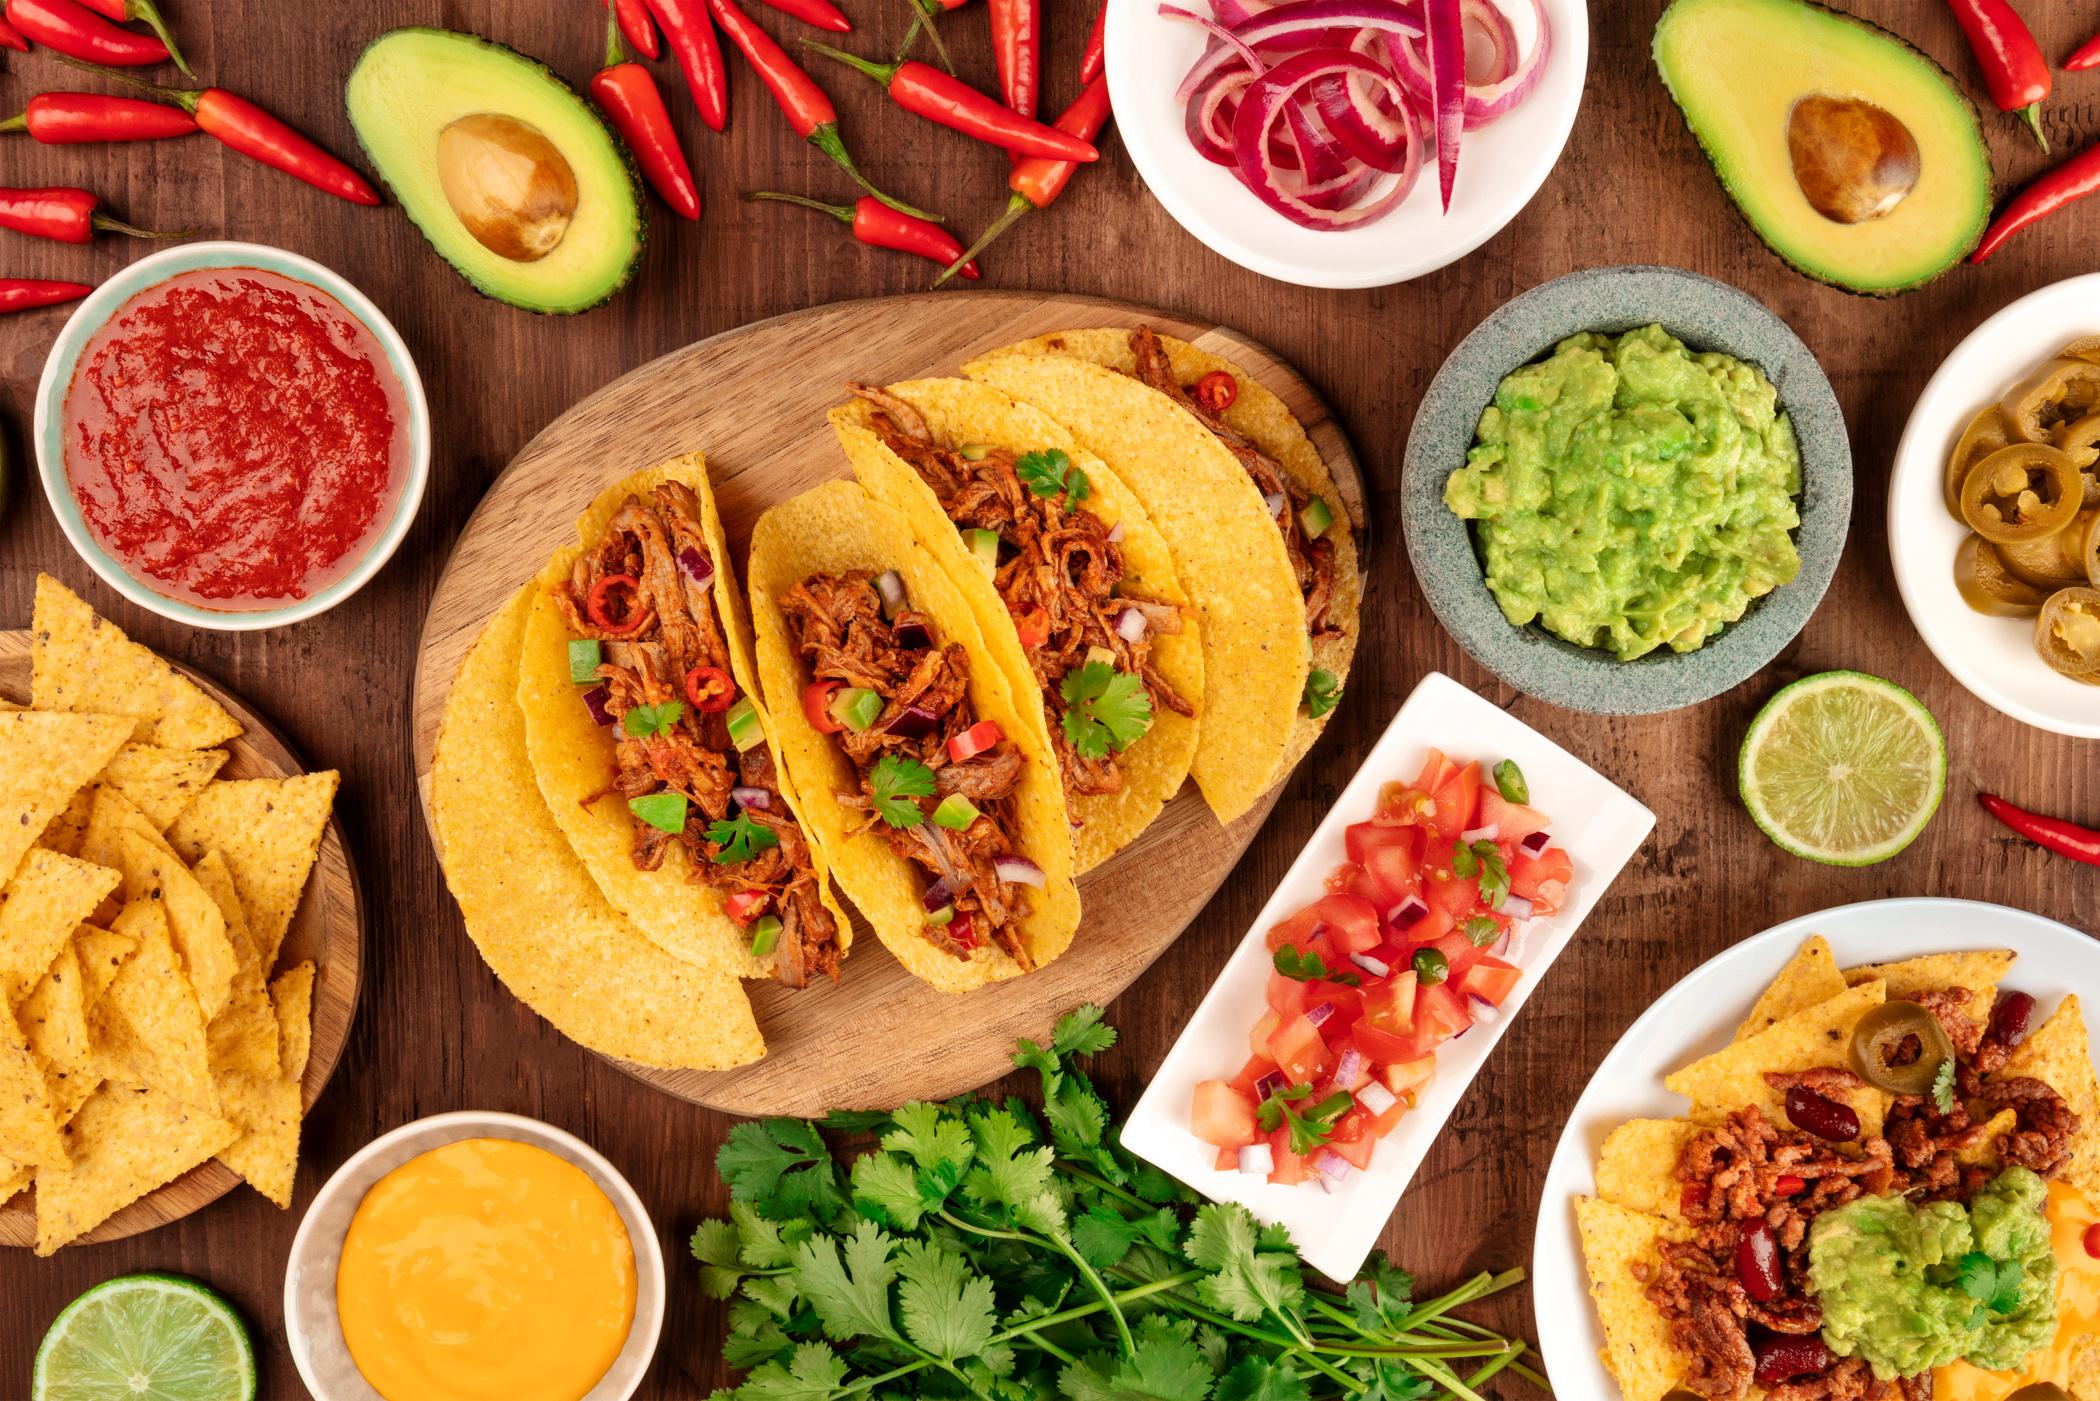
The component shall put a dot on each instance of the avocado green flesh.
(1737, 67)
(410, 84)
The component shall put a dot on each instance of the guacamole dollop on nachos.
(1880, 1193)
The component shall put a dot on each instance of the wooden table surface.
(437, 1032)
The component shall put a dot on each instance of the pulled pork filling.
(1057, 574)
(1747, 1174)
(668, 626)
(836, 625)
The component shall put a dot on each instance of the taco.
(930, 791)
(1262, 540)
(653, 748)
(1074, 591)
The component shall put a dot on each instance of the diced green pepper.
(956, 813)
(942, 915)
(856, 707)
(744, 730)
(663, 811)
(764, 935)
(1509, 782)
(985, 545)
(583, 660)
(1431, 967)
(973, 451)
(1316, 517)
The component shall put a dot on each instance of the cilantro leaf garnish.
(1050, 472)
(643, 721)
(1105, 709)
(1483, 859)
(1992, 1283)
(893, 783)
(1310, 1128)
(1480, 931)
(740, 839)
(1308, 965)
(1322, 693)
(1943, 1087)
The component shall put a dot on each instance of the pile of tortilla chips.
(1803, 1020)
(141, 918)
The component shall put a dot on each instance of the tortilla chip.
(29, 1123)
(1819, 1036)
(54, 1023)
(1637, 1167)
(63, 833)
(162, 782)
(125, 1143)
(531, 908)
(1984, 1152)
(266, 1108)
(1980, 972)
(110, 817)
(194, 922)
(39, 910)
(1810, 976)
(2057, 1054)
(149, 1028)
(14, 1178)
(959, 411)
(269, 830)
(243, 1036)
(102, 952)
(44, 760)
(1637, 1351)
(81, 662)
(2084, 1381)
(833, 528)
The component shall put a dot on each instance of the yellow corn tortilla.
(112, 817)
(573, 755)
(149, 1029)
(1637, 1350)
(1810, 976)
(1980, 972)
(1262, 418)
(64, 832)
(40, 908)
(44, 760)
(1637, 1167)
(265, 1108)
(195, 925)
(960, 411)
(539, 920)
(14, 1177)
(837, 527)
(80, 662)
(102, 952)
(269, 830)
(1819, 1036)
(162, 782)
(2057, 1054)
(29, 1123)
(125, 1142)
(54, 1022)
(1984, 1152)
(243, 1036)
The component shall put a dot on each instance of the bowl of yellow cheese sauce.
(475, 1257)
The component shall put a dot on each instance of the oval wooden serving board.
(754, 401)
(327, 928)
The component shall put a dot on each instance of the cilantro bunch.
(980, 1253)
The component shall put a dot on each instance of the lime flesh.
(146, 1337)
(1843, 768)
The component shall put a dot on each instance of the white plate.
(1500, 166)
(1698, 1017)
(1993, 657)
(1599, 827)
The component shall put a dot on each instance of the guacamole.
(1630, 493)
(1914, 1287)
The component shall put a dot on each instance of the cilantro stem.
(1066, 1166)
(1086, 1271)
(1047, 1346)
(1125, 1296)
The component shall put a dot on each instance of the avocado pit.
(1853, 160)
(510, 187)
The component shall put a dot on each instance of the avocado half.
(410, 84)
(1737, 67)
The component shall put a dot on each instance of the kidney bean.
(1783, 1355)
(1757, 1262)
(1825, 1118)
(2009, 1019)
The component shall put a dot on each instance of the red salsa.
(235, 438)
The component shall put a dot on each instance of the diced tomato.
(975, 740)
(1435, 770)
(745, 905)
(1222, 1116)
(1357, 1152)
(1546, 900)
(1347, 876)
(1410, 1079)
(1033, 624)
(1290, 1169)
(1440, 1013)
(1390, 1005)
(1513, 822)
(1296, 931)
(1456, 898)
(1287, 996)
(1390, 876)
(816, 705)
(1694, 1194)
(1351, 920)
(1251, 1075)
(1528, 873)
(1348, 1005)
(1350, 1127)
(1490, 979)
(1363, 838)
(1459, 954)
(1298, 1050)
(1258, 1039)
(1457, 799)
(1433, 925)
(1436, 860)
(1385, 1123)
(1228, 1160)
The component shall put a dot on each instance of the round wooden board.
(754, 401)
(328, 928)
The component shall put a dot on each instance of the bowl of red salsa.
(232, 436)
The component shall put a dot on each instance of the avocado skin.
(1981, 219)
(541, 70)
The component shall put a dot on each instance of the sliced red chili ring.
(816, 705)
(1217, 390)
(709, 688)
(601, 595)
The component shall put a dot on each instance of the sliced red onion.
(1320, 156)
(1535, 844)
(1020, 870)
(1516, 907)
(913, 722)
(1375, 967)
(1376, 1097)
(1257, 1160)
(939, 896)
(911, 631)
(1446, 42)
(594, 701)
(1408, 913)
(1265, 102)
(1330, 1165)
(1222, 35)
(1303, 18)
(1384, 141)
(1319, 1014)
(1130, 625)
(752, 798)
(1208, 120)
(1487, 833)
(1502, 40)
(1115, 533)
(890, 584)
(698, 567)
(1485, 1013)
(1483, 104)
(1345, 1069)
(1269, 1084)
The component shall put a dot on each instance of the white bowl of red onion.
(1332, 143)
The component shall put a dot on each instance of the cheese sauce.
(486, 1270)
(2077, 1311)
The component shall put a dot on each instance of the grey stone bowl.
(1705, 315)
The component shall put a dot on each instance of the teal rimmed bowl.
(48, 431)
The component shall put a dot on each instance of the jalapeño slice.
(2022, 493)
(1881, 1033)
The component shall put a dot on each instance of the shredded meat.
(665, 628)
(1949, 1008)
(2041, 1140)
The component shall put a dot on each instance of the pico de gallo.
(1396, 959)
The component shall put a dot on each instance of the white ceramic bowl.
(310, 1323)
(48, 433)
(1993, 657)
(1597, 824)
(1500, 166)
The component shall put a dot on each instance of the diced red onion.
(1345, 1069)
(752, 798)
(594, 701)
(1074, 825)
(1487, 833)
(1535, 844)
(1020, 870)
(1484, 1012)
(1319, 928)
(1376, 1097)
(913, 722)
(1274, 501)
(1375, 967)
(1130, 626)
(1408, 913)
(939, 896)
(1319, 1014)
(1330, 1165)
(1257, 1160)
(698, 567)
(1115, 533)
(890, 584)
(912, 632)
(1269, 1084)
(1516, 907)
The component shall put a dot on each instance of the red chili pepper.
(816, 706)
(1017, 37)
(932, 94)
(2063, 838)
(877, 225)
(1037, 181)
(2087, 56)
(821, 13)
(69, 118)
(928, 12)
(1096, 52)
(637, 26)
(799, 98)
(122, 10)
(692, 39)
(67, 215)
(79, 32)
(1216, 390)
(2073, 180)
(601, 594)
(9, 39)
(709, 688)
(2013, 67)
(636, 109)
(247, 128)
(23, 293)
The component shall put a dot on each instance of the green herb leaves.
(1995, 1284)
(893, 783)
(1943, 1087)
(1480, 931)
(1050, 473)
(740, 839)
(1483, 859)
(1310, 1129)
(1104, 709)
(646, 721)
(1322, 693)
(1307, 965)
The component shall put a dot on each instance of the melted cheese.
(2077, 1310)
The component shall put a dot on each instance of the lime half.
(146, 1337)
(1843, 768)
